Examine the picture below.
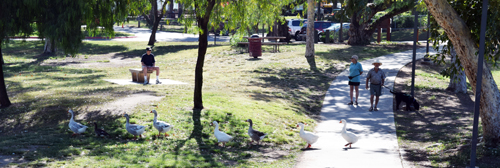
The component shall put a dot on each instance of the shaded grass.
(276, 91)
(438, 135)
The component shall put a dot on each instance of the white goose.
(307, 136)
(134, 129)
(77, 128)
(161, 126)
(349, 137)
(221, 136)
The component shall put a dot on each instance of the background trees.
(362, 12)
(59, 22)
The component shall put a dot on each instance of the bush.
(236, 38)
(334, 36)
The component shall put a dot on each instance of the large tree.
(363, 22)
(310, 35)
(235, 14)
(14, 19)
(59, 21)
(462, 30)
(157, 18)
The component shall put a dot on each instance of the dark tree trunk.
(341, 38)
(310, 33)
(202, 50)
(152, 38)
(357, 33)
(4, 98)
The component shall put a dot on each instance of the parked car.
(294, 26)
(336, 27)
(320, 26)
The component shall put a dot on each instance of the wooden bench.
(138, 76)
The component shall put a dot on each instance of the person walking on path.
(148, 63)
(355, 69)
(376, 78)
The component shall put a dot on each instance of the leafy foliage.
(469, 11)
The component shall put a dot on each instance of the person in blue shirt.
(148, 63)
(355, 69)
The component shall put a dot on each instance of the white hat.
(377, 62)
(355, 57)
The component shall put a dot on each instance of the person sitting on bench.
(148, 63)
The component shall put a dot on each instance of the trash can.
(254, 46)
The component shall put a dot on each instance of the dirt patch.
(120, 106)
(438, 134)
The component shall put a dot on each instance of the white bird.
(161, 126)
(134, 129)
(307, 136)
(77, 128)
(254, 134)
(349, 137)
(221, 136)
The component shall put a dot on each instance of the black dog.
(408, 99)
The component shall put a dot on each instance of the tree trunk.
(459, 34)
(357, 33)
(341, 39)
(310, 36)
(4, 98)
(50, 46)
(152, 38)
(458, 83)
(202, 50)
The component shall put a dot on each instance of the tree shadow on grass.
(303, 87)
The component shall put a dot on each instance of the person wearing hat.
(148, 63)
(355, 69)
(376, 78)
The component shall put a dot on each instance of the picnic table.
(275, 44)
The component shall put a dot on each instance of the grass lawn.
(276, 91)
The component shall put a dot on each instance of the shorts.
(375, 89)
(354, 83)
(149, 67)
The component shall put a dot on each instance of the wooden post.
(379, 35)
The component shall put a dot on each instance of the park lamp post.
(415, 32)
(478, 85)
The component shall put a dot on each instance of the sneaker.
(146, 82)
(350, 103)
(158, 82)
(371, 109)
(356, 103)
(375, 109)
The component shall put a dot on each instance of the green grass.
(276, 92)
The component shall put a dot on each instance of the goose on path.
(348, 136)
(307, 136)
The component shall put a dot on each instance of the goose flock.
(222, 137)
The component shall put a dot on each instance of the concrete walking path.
(377, 145)
(143, 34)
